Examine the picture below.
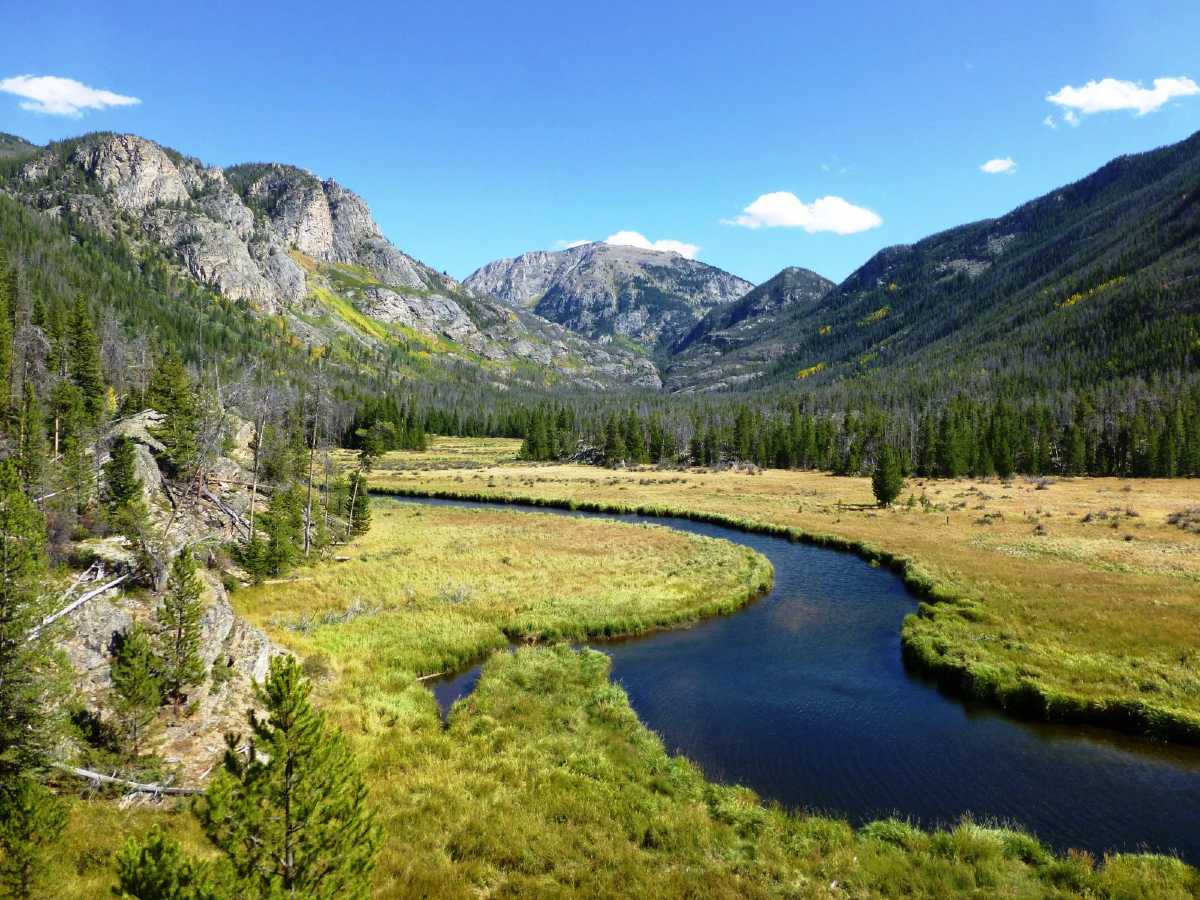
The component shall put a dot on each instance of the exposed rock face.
(704, 357)
(233, 652)
(328, 222)
(136, 172)
(600, 290)
(276, 236)
(172, 201)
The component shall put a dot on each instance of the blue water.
(803, 697)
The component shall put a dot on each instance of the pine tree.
(291, 815)
(24, 731)
(360, 505)
(31, 453)
(84, 361)
(137, 688)
(635, 439)
(284, 525)
(887, 481)
(157, 869)
(178, 636)
(172, 393)
(614, 443)
(32, 820)
(120, 475)
(30, 817)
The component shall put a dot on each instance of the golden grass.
(1107, 609)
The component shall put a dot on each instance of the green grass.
(545, 783)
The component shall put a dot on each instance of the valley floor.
(544, 783)
(1063, 599)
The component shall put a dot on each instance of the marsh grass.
(543, 783)
(1089, 627)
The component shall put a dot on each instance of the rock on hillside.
(604, 291)
(125, 185)
(234, 653)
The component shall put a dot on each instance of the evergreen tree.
(32, 820)
(84, 361)
(30, 817)
(635, 439)
(284, 524)
(31, 454)
(137, 688)
(157, 869)
(887, 481)
(614, 443)
(951, 449)
(178, 636)
(360, 505)
(24, 719)
(291, 815)
(120, 475)
(172, 393)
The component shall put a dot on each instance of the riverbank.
(1034, 601)
(544, 782)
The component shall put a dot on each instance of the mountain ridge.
(286, 243)
(612, 292)
(1083, 279)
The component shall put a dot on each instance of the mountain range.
(281, 242)
(1093, 281)
(1099, 279)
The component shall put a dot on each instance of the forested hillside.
(1094, 281)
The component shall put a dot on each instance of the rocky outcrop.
(329, 223)
(233, 652)
(125, 185)
(605, 291)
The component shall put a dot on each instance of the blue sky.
(483, 130)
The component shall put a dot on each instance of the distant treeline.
(1154, 436)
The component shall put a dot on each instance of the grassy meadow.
(1063, 599)
(543, 782)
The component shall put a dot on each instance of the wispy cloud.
(54, 96)
(999, 166)
(783, 209)
(1050, 123)
(637, 239)
(567, 245)
(1111, 95)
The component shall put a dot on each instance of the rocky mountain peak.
(608, 291)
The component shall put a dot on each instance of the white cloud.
(54, 96)
(1049, 122)
(1071, 117)
(567, 245)
(783, 209)
(999, 166)
(637, 239)
(1110, 95)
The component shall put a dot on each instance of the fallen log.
(224, 507)
(74, 605)
(135, 786)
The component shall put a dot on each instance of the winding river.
(803, 697)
